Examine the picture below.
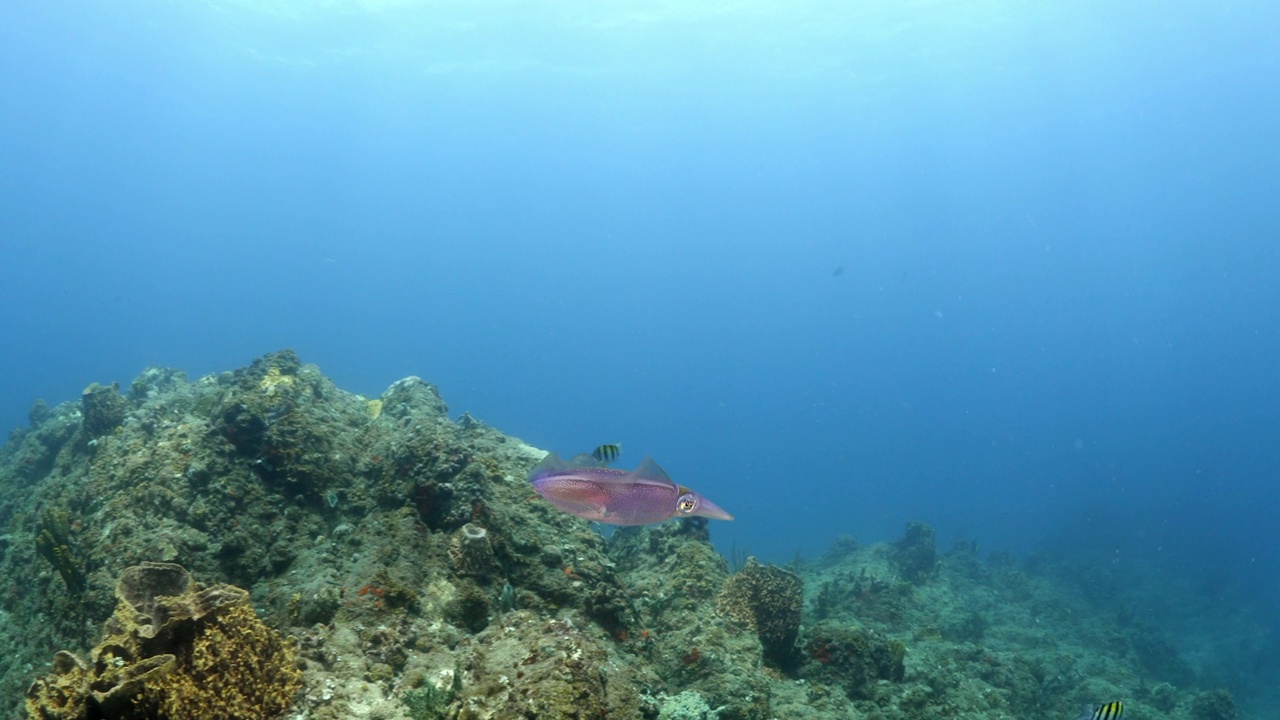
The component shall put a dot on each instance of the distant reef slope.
(260, 543)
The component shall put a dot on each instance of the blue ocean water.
(1006, 268)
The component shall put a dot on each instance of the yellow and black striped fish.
(1109, 711)
(607, 453)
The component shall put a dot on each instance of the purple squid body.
(646, 495)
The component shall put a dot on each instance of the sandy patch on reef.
(531, 451)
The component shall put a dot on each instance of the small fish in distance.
(1109, 711)
(646, 495)
(607, 453)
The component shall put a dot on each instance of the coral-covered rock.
(156, 382)
(1214, 705)
(103, 409)
(173, 651)
(852, 659)
(412, 396)
(39, 412)
(527, 667)
(673, 574)
(769, 600)
(916, 553)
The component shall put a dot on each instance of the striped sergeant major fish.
(607, 453)
(1109, 711)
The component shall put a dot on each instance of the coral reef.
(173, 651)
(421, 578)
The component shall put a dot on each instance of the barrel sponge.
(768, 600)
(471, 551)
(172, 650)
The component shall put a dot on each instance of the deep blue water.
(1007, 268)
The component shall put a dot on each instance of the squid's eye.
(687, 503)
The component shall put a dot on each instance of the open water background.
(1009, 268)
